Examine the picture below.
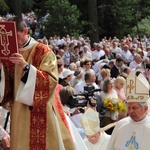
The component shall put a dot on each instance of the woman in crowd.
(87, 66)
(119, 87)
(108, 91)
(78, 77)
(67, 77)
(105, 73)
(60, 64)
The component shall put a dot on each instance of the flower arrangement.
(114, 104)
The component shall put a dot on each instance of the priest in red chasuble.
(29, 80)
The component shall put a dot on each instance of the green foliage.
(3, 7)
(144, 28)
(63, 18)
(18, 7)
(39, 8)
(26, 5)
(116, 17)
(87, 26)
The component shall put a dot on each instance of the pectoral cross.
(4, 39)
(131, 86)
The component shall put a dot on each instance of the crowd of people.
(105, 66)
(57, 87)
(35, 27)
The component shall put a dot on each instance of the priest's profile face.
(136, 111)
(22, 37)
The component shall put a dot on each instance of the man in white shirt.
(136, 62)
(115, 48)
(87, 54)
(126, 54)
(98, 53)
(89, 79)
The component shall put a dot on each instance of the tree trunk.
(93, 18)
(17, 7)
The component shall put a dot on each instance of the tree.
(141, 13)
(3, 7)
(93, 19)
(143, 26)
(18, 7)
(88, 18)
(62, 19)
(39, 8)
(27, 5)
(115, 17)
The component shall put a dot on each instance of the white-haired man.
(133, 132)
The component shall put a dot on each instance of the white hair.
(78, 63)
(72, 66)
(143, 104)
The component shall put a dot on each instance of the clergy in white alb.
(96, 139)
(133, 132)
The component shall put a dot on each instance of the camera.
(81, 100)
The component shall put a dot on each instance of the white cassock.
(101, 144)
(130, 135)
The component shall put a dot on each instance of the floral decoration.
(115, 104)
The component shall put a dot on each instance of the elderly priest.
(133, 132)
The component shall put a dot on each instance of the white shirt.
(96, 67)
(79, 88)
(116, 50)
(97, 54)
(113, 94)
(133, 65)
(66, 58)
(131, 58)
(126, 55)
(88, 55)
